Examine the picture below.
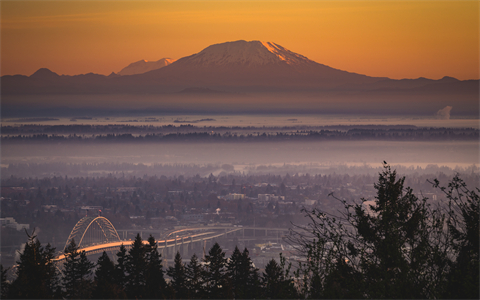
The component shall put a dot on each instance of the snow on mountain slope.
(254, 53)
(241, 65)
(143, 66)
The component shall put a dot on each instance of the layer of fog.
(379, 103)
(247, 157)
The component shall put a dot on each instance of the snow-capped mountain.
(254, 53)
(243, 66)
(142, 66)
(239, 67)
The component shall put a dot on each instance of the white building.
(235, 196)
(11, 223)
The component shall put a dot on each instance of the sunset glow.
(406, 39)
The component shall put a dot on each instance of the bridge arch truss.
(92, 230)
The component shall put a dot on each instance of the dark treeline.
(138, 274)
(397, 135)
(95, 133)
(137, 129)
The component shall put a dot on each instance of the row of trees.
(138, 273)
(396, 246)
(353, 134)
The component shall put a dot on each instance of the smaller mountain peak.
(143, 66)
(449, 79)
(113, 74)
(44, 73)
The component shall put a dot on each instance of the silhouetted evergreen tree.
(276, 281)
(4, 282)
(214, 273)
(344, 282)
(78, 270)
(105, 287)
(155, 281)
(136, 265)
(120, 278)
(252, 288)
(272, 279)
(178, 276)
(241, 274)
(36, 273)
(194, 283)
(396, 248)
(463, 226)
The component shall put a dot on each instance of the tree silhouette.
(119, 275)
(241, 273)
(396, 247)
(155, 281)
(135, 266)
(78, 269)
(36, 273)
(463, 225)
(178, 276)
(105, 287)
(194, 283)
(4, 283)
(214, 273)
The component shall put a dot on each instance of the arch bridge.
(97, 234)
(91, 231)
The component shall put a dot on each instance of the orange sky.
(406, 39)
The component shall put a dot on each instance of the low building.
(235, 197)
(270, 197)
(11, 223)
(193, 217)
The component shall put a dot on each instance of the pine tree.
(178, 276)
(155, 281)
(394, 241)
(4, 283)
(463, 227)
(236, 275)
(78, 269)
(194, 283)
(276, 282)
(119, 275)
(135, 265)
(36, 273)
(241, 273)
(214, 273)
(250, 273)
(105, 287)
(396, 248)
(271, 280)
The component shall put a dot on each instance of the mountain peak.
(449, 79)
(44, 73)
(251, 53)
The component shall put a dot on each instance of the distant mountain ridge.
(143, 66)
(232, 67)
